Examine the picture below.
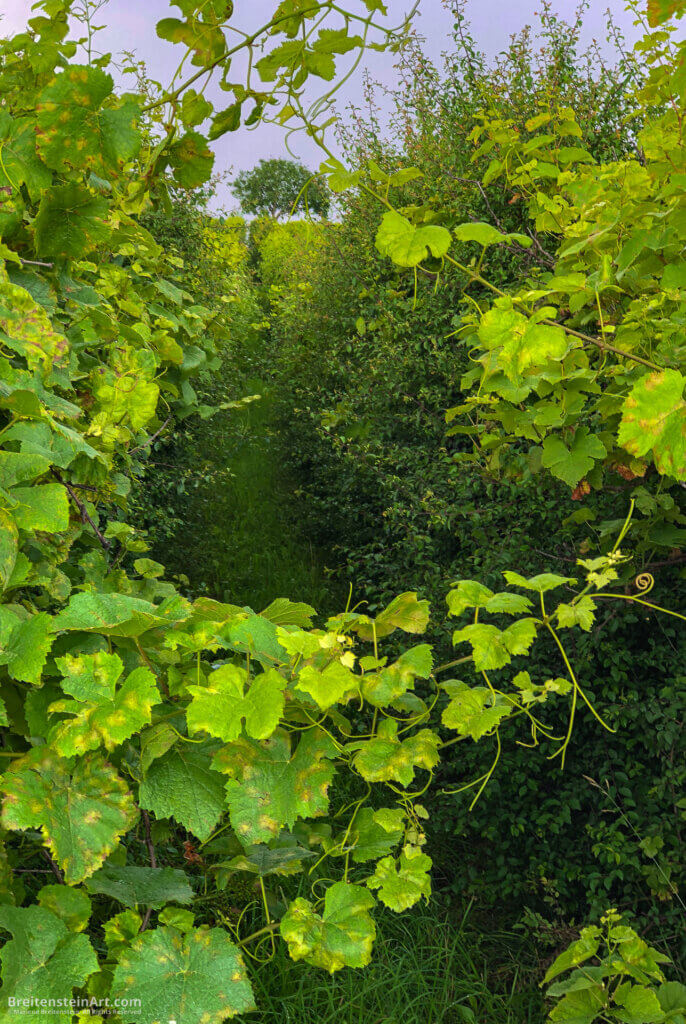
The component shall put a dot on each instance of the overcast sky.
(131, 26)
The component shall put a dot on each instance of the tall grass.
(425, 970)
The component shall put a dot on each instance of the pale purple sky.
(131, 26)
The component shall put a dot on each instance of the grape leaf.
(220, 707)
(42, 507)
(342, 936)
(408, 245)
(334, 684)
(472, 712)
(75, 129)
(115, 614)
(581, 613)
(69, 904)
(385, 758)
(70, 221)
(375, 833)
(198, 978)
(90, 676)
(470, 594)
(383, 687)
(541, 583)
(573, 463)
(402, 883)
(27, 647)
(81, 810)
(404, 612)
(9, 547)
(191, 160)
(42, 960)
(183, 785)
(654, 419)
(131, 885)
(103, 721)
(269, 788)
(491, 647)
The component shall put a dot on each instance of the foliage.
(277, 188)
(615, 976)
(393, 497)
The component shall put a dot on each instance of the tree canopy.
(278, 187)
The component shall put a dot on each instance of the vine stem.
(85, 517)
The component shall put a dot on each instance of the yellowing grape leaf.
(105, 722)
(492, 647)
(197, 978)
(402, 883)
(75, 129)
(472, 710)
(221, 706)
(408, 245)
(90, 676)
(343, 936)
(268, 788)
(404, 612)
(660, 11)
(375, 833)
(81, 810)
(383, 687)
(69, 904)
(334, 684)
(581, 613)
(470, 594)
(654, 420)
(385, 758)
(42, 960)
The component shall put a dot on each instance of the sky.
(130, 25)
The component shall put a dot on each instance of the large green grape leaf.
(42, 960)
(81, 810)
(334, 684)
(472, 711)
(131, 885)
(492, 647)
(402, 883)
(43, 507)
(198, 978)
(70, 221)
(537, 345)
(21, 467)
(221, 706)
(408, 245)
(383, 687)
(116, 614)
(283, 612)
(184, 786)
(375, 833)
(26, 650)
(75, 130)
(105, 722)
(90, 676)
(269, 789)
(572, 463)
(343, 936)
(385, 758)
(654, 420)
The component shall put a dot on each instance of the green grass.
(425, 970)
